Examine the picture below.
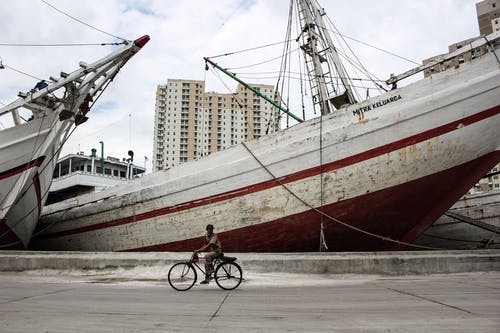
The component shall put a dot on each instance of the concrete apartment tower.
(191, 123)
(487, 16)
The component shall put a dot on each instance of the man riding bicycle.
(213, 245)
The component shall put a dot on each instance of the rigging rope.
(322, 244)
(246, 50)
(361, 68)
(203, 100)
(299, 73)
(280, 83)
(221, 80)
(82, 22)
(21, 72)
(335, 33)
(378, 88)
(260, 63)
(29, 75)
(357, 64)
(372, 46)
(302, 67)
(59, 44)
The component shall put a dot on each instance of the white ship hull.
(448, 232)
(384, 168)
(26, 176)
(29, 150)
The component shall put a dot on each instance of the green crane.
(255, 91)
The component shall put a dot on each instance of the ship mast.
(321, 54)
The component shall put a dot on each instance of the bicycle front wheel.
(182, 276)
(228, 275)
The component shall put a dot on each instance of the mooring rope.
(384, 238)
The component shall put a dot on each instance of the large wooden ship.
(368, 175)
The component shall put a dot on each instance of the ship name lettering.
(375, 105)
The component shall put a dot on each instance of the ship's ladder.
(317, 67)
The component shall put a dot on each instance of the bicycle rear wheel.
(228, 275)
(182, 276)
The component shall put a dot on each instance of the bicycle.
(228, 274)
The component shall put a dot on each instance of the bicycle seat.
(227, 259)
(223, 258)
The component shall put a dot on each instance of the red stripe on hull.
(38, 192)
(401, 212)
(384, 149)
(21, 168)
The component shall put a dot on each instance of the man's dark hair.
(209, 226)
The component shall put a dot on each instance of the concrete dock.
(385, 263)
(131, 294)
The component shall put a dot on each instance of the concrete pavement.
(437, 291)
(140, 300)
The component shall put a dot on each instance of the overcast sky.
(183, 32)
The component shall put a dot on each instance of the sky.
(183, 32)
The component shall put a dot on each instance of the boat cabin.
(77, 174)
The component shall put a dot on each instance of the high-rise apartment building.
(191, 123)
(487, 16)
